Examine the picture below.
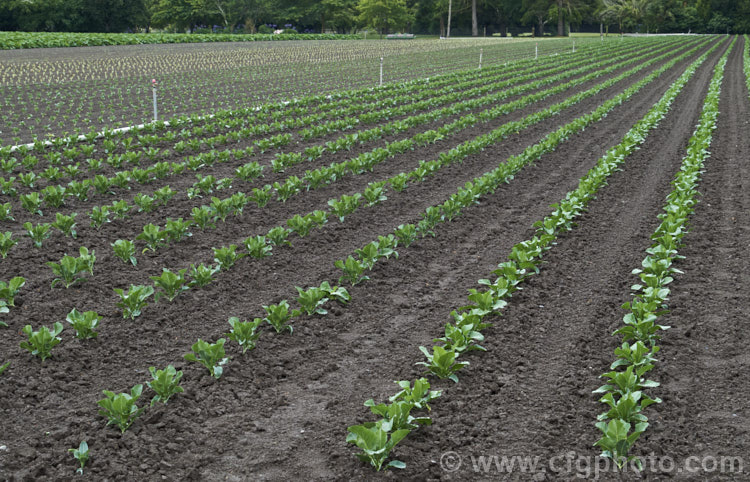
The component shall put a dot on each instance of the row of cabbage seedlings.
(205, 216)
(122, 410)
(172, 284)
(377, 439)
(625, 391)
(290, 112)
(54, 196)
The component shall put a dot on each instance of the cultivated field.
(479, 228)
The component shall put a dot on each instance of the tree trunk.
(541, 27)
(474, 26)
(442, 26)
(323, 23)
(450, 11)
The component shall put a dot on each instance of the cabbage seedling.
(227, 256)
(202, 274)
(66, 224)
(278, 236)
(244, 332)
(121, 409)
(4, 367)
(164, 383)
(171, 284)
(40, 343)
(125, 250)
(257, 247)
(353, 270)
(134, 300)
(210, 355)
(37, 233)
(81, 454)
(278, 316)
(419, 395)
(9, 290)
(84, 323)
(6, 243)
(376, 444)
(442, 362)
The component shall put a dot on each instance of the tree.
(535, 12)
(384, 14)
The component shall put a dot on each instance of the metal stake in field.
(156, 113)
(381, 71)
(481, 51)
(536, 51)
(574, 46)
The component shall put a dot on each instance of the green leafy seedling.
(81, 454)
(9, 290)
(134, 300)
(210, 355)
(40, 343)
(245, 333)
(121, 409)
(376, 444)
(171, 284)
(278, 316)
(85, 323)
(442, 362)
(125, 250)
(164, 383)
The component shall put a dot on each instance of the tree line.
(433, 17)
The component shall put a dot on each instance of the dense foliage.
(461, 17)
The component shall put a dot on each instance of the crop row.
(205, 215)
(377, 439)
(121, 410)
(624, 393)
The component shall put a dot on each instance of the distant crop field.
(75, 90)
(519, 271)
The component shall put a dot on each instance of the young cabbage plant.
(617, 440)
(66, 224)
(368, 255)
(152, 236)
(461, 339)
(406, 234)
(81, 454)
(121, 409)
(226, 256)
(345, 205)
(419, 395)
(67, 270)
(278, 236)
(6, 243)
(353, 270)
(40, 343)
(376, 444)
(210, 355)
(9, 290)
(312, 300)
(171, 284)
(202, 274)
(396, 415)
(4, 367)
(442, 362)
(134, 300)
(279, 316)
(37, 233)
(164, 383)
(257, 247)
(125, 250)
(85, 323)
(245, 333)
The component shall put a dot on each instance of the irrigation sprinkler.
(156, 113)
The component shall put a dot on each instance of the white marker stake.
(574, 46)
(381, 71)
(536, 51)
(156, 113)
(480, 58)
